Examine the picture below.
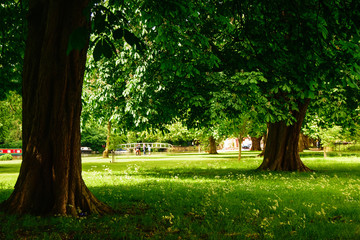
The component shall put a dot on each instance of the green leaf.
(112, 18)
(118, 34)
(99, 23)
(302, 95)
(267, 117)
(103, 47)
(312, 85)
(130, 38)
(97, 51)
(324, 31)
(310, 94)
(107, 50)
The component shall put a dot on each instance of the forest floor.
(202, 196)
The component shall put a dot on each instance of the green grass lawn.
(201, 196)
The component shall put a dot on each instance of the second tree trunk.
(282, 145)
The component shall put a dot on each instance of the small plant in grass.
(6, 157)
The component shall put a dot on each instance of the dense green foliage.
(93, 135)
(10, 120)
(175, 134)
(12, 44)
(288, 53)
(337, 108)
(197, 196)
(301, 49)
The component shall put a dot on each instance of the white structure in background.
(233, 144)
(246, 144)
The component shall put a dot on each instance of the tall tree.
(103, 96)
(50, 179)
(339, 108)
(301, 48)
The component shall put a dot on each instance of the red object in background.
(11, 151)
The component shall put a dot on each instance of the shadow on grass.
(311, 154)
(9, 169)
(5, 194)
(210, 173)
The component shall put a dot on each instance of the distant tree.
(329, 136)
(103, 98)
(237, 106)
(178, 134)
(257, 132)
(301, 49)
(93, 135)
(340, 107)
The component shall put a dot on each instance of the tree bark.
(240, 146)
(312, 142)
(264, 141)
(325, 151)
(282, 145)
(307, 142)
(301, 143)
(212, 143)
(106, 151)
(304, 142)
(255, 146)
(50, 180)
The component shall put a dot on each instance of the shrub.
(353, 147)
(6, 157)
(94, 138)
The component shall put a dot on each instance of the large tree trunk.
(50, 180)
(282, 145)
(255, 146)
(106, 151)
(212, 143)
(304, 142)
